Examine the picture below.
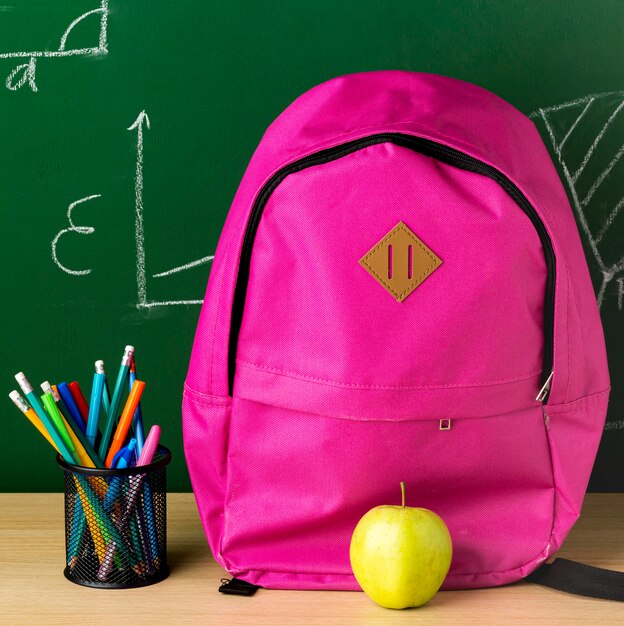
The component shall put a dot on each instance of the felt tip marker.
(122, 460)
(96, 400)
(126, 361)
(137, 420)
(61, 446)
(125, 457)
(58, 399)
(150, 447)
(124, 422)
(71, 406)
(80, 401)
(149, 450)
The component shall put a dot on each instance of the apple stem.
(403, 494)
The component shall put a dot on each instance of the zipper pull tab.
(543, 392)
(237, 587)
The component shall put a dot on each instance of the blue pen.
(122, 459)
(137, 419)
(148, 519)
(71, 406)
(111, 418)
(45, 419)
(96, 400)
(125, 457)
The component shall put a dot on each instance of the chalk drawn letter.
(81, 230)
(27, 71)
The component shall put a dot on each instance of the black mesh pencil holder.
(116, 524)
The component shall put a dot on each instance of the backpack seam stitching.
(567, 318)
(571, 406)
(217, 315)
(206, 398)
(323, 381)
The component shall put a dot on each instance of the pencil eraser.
(48, 388)
(18, 401)
(128, 356)
(99, 367)
(22, 381)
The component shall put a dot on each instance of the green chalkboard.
(125, 128)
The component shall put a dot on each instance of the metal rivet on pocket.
(445, 424)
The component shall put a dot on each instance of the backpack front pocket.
(298, 483)
(394, 262)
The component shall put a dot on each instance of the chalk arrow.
(142, 117)
(139, 228)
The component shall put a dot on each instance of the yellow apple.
(400, 555)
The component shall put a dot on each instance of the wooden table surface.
(33, 589)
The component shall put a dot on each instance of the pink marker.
(147, 455)
(150, 446)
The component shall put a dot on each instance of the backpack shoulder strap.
(580, 579)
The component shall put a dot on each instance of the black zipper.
(428, 148)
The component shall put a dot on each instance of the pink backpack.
(399, 293)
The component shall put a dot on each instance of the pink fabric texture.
(339, 389)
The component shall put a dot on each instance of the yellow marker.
(92, 520)
(83, 457)
(29, 412)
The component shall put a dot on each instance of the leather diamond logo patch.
(400, 262)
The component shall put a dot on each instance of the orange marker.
(125, 420)
(80, 401)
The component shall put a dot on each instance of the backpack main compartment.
(317, 384)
